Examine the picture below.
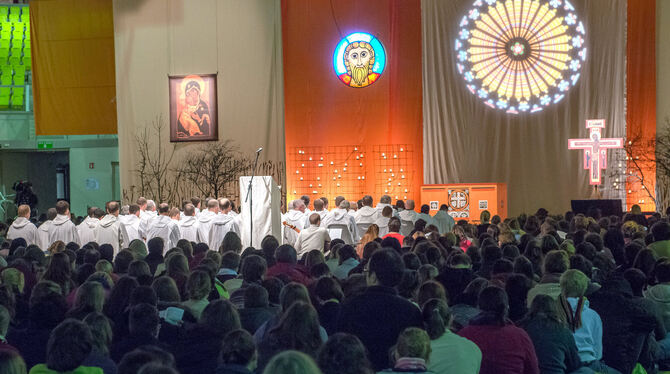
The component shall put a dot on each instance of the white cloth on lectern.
(313, 237)
(295, 218)
(23, 228)
(322, 213)
(166, 228)
(444, 222)
(109, 231)
(63, 229)
(221, 225)
(85, 230)
(188, 227)
(131, 224)
(204, 224)
(342, 217)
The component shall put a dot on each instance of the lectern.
(266, 212)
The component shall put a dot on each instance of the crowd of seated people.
(151, 289)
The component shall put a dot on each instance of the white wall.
(81, 195)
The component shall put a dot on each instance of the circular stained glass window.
(359, 59)
(520, 55)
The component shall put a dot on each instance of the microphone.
(259, 150)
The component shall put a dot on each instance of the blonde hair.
(574, 283)
(413, 342)
(56, 247)
(292, 362)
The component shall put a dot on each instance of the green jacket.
(43, 369)
(661, 249)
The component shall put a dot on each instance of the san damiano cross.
(595, 149)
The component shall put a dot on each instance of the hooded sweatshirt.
(220, 226)
(407, 215)
(131, 225)
(42, 238)
(85, 230)
(444, 222)
(322, 213)
(342, 217)
(295, 218)
(23, 228)
(166, 228)
(204, 224)
(660, 294)
(366, 214)
(146, 218)
(63, 229)
(188, 226)
(109, 231)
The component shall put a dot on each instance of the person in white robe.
(43, 230)
(342, 216)
(188, 226)
(131, 225)
(146, 218)
(385, 201)
(292, 221)
(383, 220)
(222, 224)
(205, 221)
(22, 227)
(408, 214)
(86, 227)
(109, 229)
(425, 215)
(164, 227)
(320, 209)
(62, 228)
(444, 222)
(366, 214)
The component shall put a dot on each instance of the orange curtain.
(73, 67)
(641, 99)
(352, 141)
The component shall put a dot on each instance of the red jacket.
(294, 272)
(505, 349)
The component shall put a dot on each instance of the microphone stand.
(251, 201)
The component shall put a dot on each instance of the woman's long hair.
(298, 329)
(436, 318)
(371, 234)
(59, 271)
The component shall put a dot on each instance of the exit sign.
(45, 145)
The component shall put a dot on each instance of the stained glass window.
(359, 59)
(520, 55)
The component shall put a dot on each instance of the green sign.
(45, 145)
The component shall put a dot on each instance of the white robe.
(131, 224)
(188, 227)
(63, 229)
(204, 224)
(366, 214)
(444, 222)
(295, 218)
(85, 230)
(43, 235)
(146, 218)
(166, 228)
(109, 231)
(407, 215)
(322, 213)
(23, 228)
(221, 225)
(342, 217)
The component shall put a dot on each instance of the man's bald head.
(151, 205)
(189, 210)
(164, 209)
(113, 208)
(213, 205)
(224, 205)
(409, 204)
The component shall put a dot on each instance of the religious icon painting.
(459, 202)
(193, 109)
(359, 59)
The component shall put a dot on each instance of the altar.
(466, 200)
